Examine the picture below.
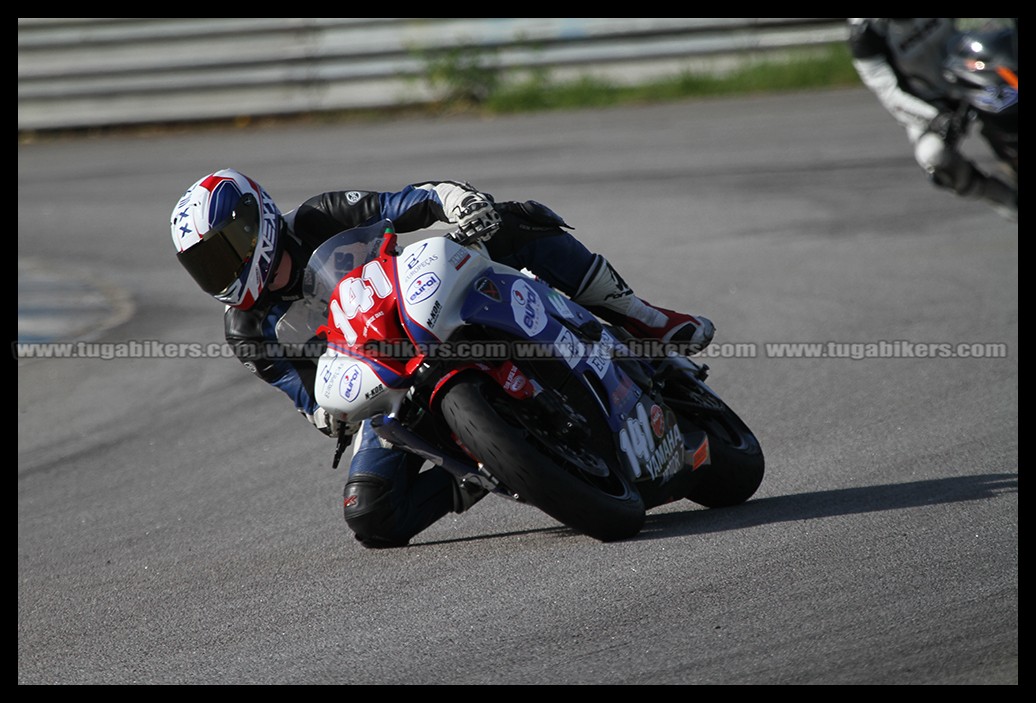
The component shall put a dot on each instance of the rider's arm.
(250, 334)
(870, 59)
(415, 207)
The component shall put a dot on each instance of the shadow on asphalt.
(795, 507)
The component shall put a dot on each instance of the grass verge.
(466, 82)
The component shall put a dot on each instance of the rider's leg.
(388, 499)
(535, 239)
(948, 168)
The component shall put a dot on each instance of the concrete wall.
(84, 72)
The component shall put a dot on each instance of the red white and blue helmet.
(226, 229)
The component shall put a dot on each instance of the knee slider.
(370, 508)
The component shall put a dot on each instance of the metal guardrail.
(90, 72)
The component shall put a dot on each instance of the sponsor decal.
(349, 385)
(416, 262)
(325, 386)
(559, 303)
(515, 381)
(422, 288)
(528, 308)
(569, 347)
(368, 324)
(327, 382)
(599, 364)
(414, 257)
(657, 418)
(998, 99)
(460, 258)
(512, 380)
(434, 315)
(667, 458)
(652, 452)
(487, 288)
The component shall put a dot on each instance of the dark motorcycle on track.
(982, 70)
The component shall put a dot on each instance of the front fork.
(390, 429)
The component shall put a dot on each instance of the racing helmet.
(226, 229)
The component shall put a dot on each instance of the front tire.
(733, 476)
(568, 480)
(737, 466)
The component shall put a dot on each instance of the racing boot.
(604, 293)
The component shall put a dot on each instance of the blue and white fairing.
(647, 433)
(440, 287)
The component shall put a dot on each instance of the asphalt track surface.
(178, 523)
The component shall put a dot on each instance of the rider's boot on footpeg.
(605, 294)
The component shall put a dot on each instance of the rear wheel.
(561, 472)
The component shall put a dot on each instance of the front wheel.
(733, 476)
(737, 466)
(565, 477)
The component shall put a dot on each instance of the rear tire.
(543, 471)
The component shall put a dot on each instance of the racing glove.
(325, 422)
(950, 127)
(476, 218)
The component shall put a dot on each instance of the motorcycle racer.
(241, 249)
(901, 61)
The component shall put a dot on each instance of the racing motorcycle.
(493, 375)
(981, 68)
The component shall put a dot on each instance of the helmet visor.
(217, 261)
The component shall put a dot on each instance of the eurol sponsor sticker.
(527, 307)
(352, 379)
(422, 288)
